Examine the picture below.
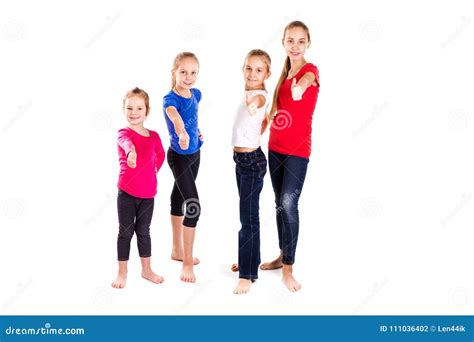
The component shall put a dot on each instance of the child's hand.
(132, 158)
(251, 105)
(184, 140)
(296, 91)
(201, 137)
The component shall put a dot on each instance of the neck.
(182, 91)
(137, 128)
(295, 65)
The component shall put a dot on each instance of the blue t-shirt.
(188, 109)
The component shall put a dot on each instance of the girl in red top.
(141, 155)
(289, 145)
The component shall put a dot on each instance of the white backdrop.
(386, 212)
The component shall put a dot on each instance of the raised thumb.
(293, 84)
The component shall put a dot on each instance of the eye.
(259, 70)
(140, 108)
(194, 73)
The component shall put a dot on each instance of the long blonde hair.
(286, 66)
(179, 57)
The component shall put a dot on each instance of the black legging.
(185, 169)
(134, 217)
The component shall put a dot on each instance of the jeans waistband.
(255, 153)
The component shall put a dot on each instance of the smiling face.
(255, 73)
(295, 43)
(135, 110)
(186, 73)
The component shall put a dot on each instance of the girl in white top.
(250, 164)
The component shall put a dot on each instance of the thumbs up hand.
(251, 105)
(296, 91)
(132, 158)
(183, 140)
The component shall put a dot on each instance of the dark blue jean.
(288, 174)
(250, 168)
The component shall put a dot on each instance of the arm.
(160, 154)
(129, 148)
(179, 128)
(253, 103)
(298, 89)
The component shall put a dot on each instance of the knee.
(288, 208)
(126, 231)
(192, 212)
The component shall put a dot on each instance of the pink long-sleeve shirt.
(141, 180)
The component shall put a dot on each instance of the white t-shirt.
(247, 128)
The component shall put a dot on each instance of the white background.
(386, 211)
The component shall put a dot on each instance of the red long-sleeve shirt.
(141, 180)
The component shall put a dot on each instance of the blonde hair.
(139, 93)
(287, 65)
(263, 55)
(179, 57)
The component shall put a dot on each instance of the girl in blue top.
(180, 107)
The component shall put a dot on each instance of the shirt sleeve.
(160, 153)
(198, 94)
(124, 140)
(313, 69)
(170, 101)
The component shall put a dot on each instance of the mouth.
(251, 80)
(188, 84)
(294, 54)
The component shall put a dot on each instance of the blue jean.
(250, 168)
(288, 174)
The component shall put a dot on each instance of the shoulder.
(170, 99)
(154, 134)
(196, 92)
(124, 132)
(311, 68)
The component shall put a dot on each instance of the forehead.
(135, 100)
(256, 62)
(188, 63)
(296, 33)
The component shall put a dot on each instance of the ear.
(309, 44)
(268, 75)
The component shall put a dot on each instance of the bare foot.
(152, 276)
(176, 257)
(289, 280)
(234, 267)
(120, 281)
(275, 264)
(243, 286)
(187, 274)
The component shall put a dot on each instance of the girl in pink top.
(141, 155)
